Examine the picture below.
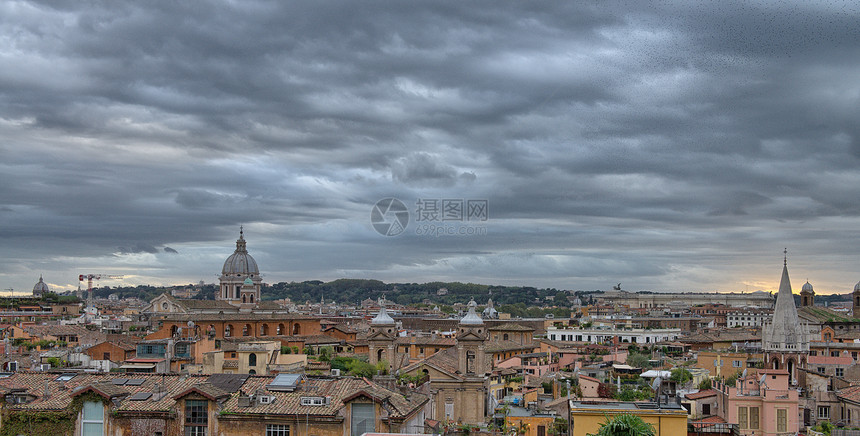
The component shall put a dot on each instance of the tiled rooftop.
(166, 389)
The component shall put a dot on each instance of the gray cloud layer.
(666, 145)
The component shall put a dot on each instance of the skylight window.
(285, 382)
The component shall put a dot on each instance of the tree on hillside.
(625, 425)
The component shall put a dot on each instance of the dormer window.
(93, 418)
(313, 401)
(363, 419)
(19, 398)
(196, 418)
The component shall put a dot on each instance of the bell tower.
(382, 338)
(471, 335)
(855, 298)
(807, 295)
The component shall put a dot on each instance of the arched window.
(173, 330)
(246, 330)
(252, 299)
(379, 355)
(252, 372)
(280, 329)
(228, 330)
(243, 299)
(296, 329)
(505, 336)
(252, 359)
(264, 330)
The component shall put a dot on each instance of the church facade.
(457, 378)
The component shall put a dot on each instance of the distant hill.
(147, 292)
(353, 291)
(356, 290)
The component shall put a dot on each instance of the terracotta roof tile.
(701, 394)
(510, 326)
(167, 388)
(445, 360)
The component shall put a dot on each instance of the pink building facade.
(762, 403)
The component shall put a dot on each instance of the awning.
(138, 366)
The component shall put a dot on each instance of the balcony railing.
(712, 428)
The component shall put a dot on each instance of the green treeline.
(523, 301)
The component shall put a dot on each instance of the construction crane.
(89, 278)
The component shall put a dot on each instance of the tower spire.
(241, 246)
(785, 257)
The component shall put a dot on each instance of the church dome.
(857, 287)
(240, 262)
(41, 287)
(806, 287)
(472, 318)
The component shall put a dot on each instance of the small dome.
(240, 262)
(857, 287)
(248, 282)
(382, 318)
(472, 318)
(806, 287)
(41, 287)
(490, 311)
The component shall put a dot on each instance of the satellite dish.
(656, 383)
(744, 374)
(761, 380)
(190, 324)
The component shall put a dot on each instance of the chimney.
(168, 353)
(47, 390)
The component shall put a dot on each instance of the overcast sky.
(668, 145)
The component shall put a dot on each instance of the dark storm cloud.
(140, 247)
(655, 143)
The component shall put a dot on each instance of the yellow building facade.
(586, 418)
